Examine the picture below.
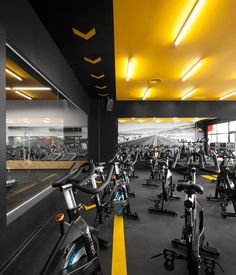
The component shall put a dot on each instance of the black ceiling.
(59, 17)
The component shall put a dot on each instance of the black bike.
(76, 251)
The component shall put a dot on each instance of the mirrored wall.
(45, 132)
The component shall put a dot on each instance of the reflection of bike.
(10, 182)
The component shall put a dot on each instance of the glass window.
(232, 126)
(214, 129)
(213, 138)
(232, 137)
(222, 138)
(223, 127)
(45, 133)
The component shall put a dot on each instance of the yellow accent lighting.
(228, 95)
(194, 68)
(130, 68)
(32, 88)
(188, 22)
(13, 74)
(188, 94)
(26, 96)
(147, 93)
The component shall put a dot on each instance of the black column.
(3, 129)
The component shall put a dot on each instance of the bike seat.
(190, 188)
(100, 163)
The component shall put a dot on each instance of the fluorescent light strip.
(129, 69)
(146, 94)
(189, 20)
(29, 200)
(228, 95)
(188, 94)
(32, 88)
(26, 96)
(192, 70)
(13, 74)
(7, 88)
(42, 75)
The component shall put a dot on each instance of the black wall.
(103, 131)
(20, 25)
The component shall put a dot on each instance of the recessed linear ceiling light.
(130, 67)
(194, 68)
(7, 88)
(32, 88)
(13, 74)
(26, 96)
(228, 95)
(189, 20)
(146, 94)
(188, 94)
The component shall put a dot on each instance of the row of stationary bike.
(77, 250)
(197, 253)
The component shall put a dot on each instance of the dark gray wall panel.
(3, 131)
(175, 109)
(27, 33)
(23, 29)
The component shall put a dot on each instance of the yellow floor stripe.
(209, 177)
(20, 190)
(88, 207)
(48, 177)
(118, 251)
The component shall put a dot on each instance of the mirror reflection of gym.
(45, 133)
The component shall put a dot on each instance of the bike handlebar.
(80, 185)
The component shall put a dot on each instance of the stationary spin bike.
(76, 251)
(167, 191)
(193, 234)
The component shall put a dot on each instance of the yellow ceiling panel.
(145, 31)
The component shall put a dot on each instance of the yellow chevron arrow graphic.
(101, 87)
(85, 36)
(97, 76)
(95, 61)
(103, 94)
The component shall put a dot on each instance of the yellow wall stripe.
(118, 252)
(23, 189)
(48, 177)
